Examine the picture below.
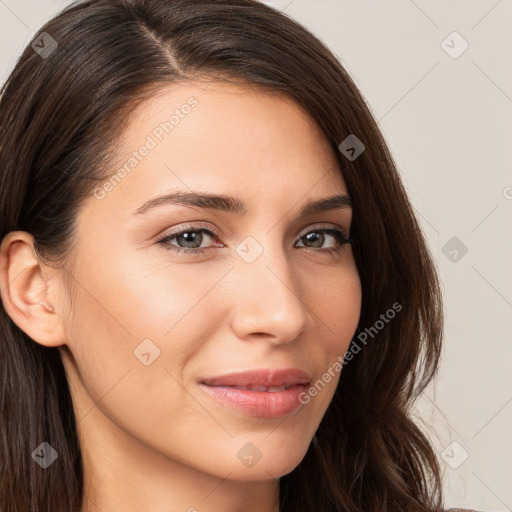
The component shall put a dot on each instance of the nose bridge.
(268, 298)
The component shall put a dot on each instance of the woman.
(215, 293)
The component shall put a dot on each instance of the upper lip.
(264, 377)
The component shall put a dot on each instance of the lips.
(262, 393)
(261, 380)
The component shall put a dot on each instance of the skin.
(150, 437)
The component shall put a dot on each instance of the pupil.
(189, 238)
(311, 237)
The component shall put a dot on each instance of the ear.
(30, 290)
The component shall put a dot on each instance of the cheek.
(158, 297)
(127, 367)
(134, 329)
(338, 308)
(131, 300)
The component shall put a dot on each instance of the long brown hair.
(60, 113)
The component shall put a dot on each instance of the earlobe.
(26, 286)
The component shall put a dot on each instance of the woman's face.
(268, 292)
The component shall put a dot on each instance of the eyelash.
(339, 234)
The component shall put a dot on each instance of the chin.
(265, 464)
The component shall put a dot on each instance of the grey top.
(461, 510)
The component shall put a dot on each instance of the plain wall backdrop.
(437, 76)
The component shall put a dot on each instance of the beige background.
(447, 116)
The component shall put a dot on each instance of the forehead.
(226, 138)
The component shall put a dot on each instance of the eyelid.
(320, 226)
(190, 227)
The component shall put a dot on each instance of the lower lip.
(264, 404)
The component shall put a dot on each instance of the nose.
(268, 301)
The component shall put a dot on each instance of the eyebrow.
(235, 205)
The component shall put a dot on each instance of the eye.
(193, 236)
(318, 237)
(188, 235)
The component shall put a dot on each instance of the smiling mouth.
(258, 400)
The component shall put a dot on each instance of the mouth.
(261, 393)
